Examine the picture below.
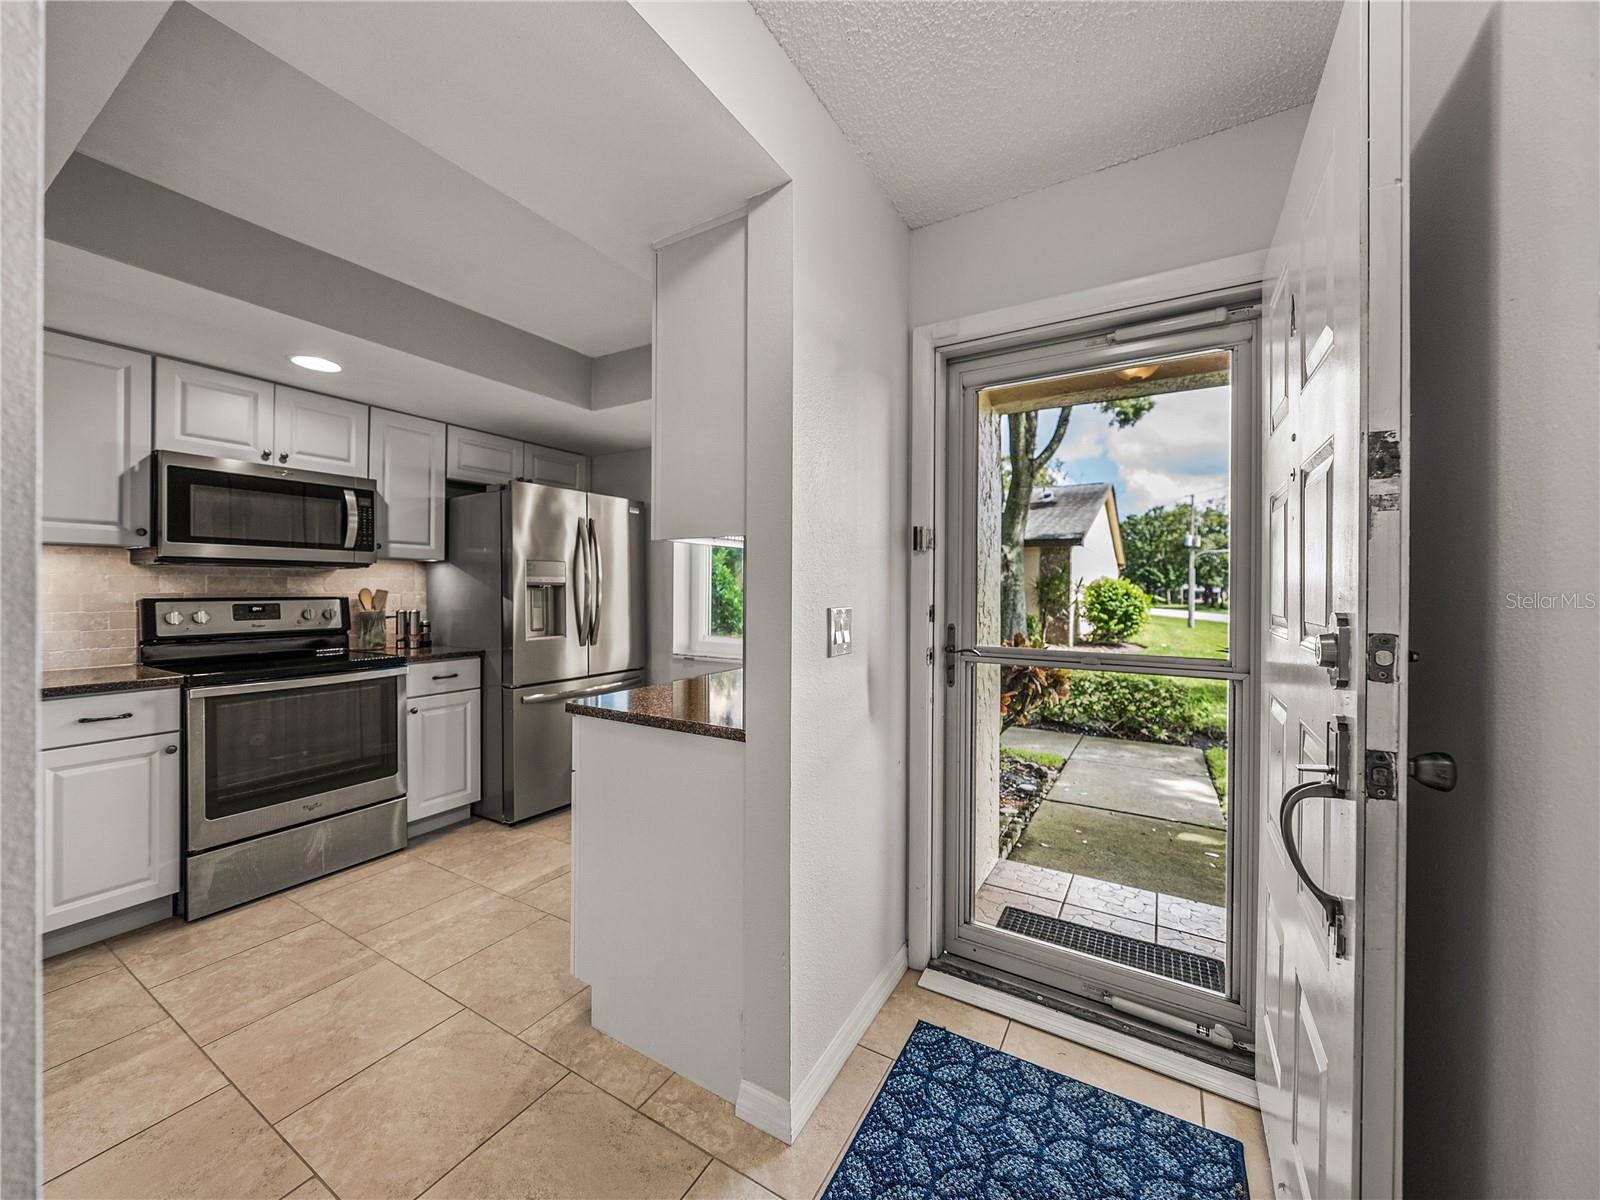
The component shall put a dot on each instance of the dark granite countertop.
(709, 705)
(89, 681)
(422, 654)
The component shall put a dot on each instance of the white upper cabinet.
(319, 433)
(214, 413)
(563, 468)
(95, 439)
(482, 457)
(697, 460)
(407, 460)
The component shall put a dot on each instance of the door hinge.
(950, 655)
(930, 614)
(1380, 777)
(1382, 657)
(930, 656)
(921, 538)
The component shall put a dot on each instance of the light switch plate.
(839, 631)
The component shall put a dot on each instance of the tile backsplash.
(88, 617)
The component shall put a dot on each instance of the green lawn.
(1217, 764)
(1172, 636)
(1043, 757)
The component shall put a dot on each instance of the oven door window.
(273, 747)
(223, 508)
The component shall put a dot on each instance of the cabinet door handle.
(452, 675)
(414, 710)
(94, 720)
(284, 457)
(266, 455)
(172, 749)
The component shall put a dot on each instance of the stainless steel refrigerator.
(550, 584)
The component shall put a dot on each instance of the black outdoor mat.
(1181, 965)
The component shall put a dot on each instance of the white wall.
(1097, 557)
(625, 473)
(1207, 199)
(845, 528)
(1502, 985)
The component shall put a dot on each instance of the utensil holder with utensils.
(370, 621)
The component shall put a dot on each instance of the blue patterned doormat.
(955, 1118)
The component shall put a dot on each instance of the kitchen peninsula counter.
(657, 889)
(708, 705)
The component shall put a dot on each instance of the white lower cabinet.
(111, 814)
(442, 752)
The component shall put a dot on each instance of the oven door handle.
(351, 515)
(297, 681)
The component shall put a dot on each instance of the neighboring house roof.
(1063, 515)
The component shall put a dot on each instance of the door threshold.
(1227, 1073)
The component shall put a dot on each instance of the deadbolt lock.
(1333, 651)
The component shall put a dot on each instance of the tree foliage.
(727, 591)
(1156, 558)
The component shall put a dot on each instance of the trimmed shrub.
(1114, 608)
(1146, 708)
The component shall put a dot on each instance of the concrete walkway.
(1135, 814)
(1144, 779)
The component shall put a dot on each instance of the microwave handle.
(350, 518)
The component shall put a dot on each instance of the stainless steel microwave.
(220, 510)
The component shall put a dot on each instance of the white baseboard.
(785, 1119)
(98, 929)
(766, 1110)
(1204, 1075)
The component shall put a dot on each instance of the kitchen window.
(709, 599)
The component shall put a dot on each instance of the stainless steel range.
(295, 743)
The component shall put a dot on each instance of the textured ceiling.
(955, 106)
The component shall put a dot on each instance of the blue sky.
(1179, 447)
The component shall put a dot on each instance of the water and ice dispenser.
(547, 585)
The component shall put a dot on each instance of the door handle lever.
(1434, 769)
(1332, 906)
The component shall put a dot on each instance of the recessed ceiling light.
(312, 363)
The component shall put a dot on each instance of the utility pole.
(1192, 543)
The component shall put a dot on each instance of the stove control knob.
(201, 616)
(308, 614)
(173, 618)
(328, 614)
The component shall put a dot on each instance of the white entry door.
(1333, 536)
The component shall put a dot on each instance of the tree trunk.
(1024, 463)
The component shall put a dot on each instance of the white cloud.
(1180, 447)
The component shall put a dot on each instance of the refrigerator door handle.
(580, 582)
(599, 584)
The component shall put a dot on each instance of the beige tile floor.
(409, 1027)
